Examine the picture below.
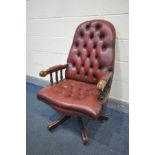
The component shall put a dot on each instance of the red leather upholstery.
(92, 51)
(91, 58)
(72, 98)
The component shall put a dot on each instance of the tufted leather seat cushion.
(92, 52)
(72, 97)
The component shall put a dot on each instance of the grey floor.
(109, 138)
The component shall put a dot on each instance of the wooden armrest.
(52, 69)
(104, 86)
(102, 83)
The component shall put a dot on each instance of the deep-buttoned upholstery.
(90, 59)
(92, 51)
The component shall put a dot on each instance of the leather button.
(98, 26)
(103, 47)
(85, 46)
(94, 77)
(86, 75)
(87, 26)
(94, 46)
(81, 34)
(91, 36)
(76, 44)
(100, 67)
(91, 66)
(101, 36)
(78, 54)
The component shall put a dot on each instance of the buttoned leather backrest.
(92, 52)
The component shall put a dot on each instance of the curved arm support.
(103, 82)
(104, 86)
(52, 69)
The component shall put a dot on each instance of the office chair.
(84, 90)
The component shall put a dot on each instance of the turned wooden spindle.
(51, 78)
(56, 74)
(61, 75)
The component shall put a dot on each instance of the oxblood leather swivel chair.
(88, 75)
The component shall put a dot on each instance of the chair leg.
(55, 124)
(103, 117)
(83, 131)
